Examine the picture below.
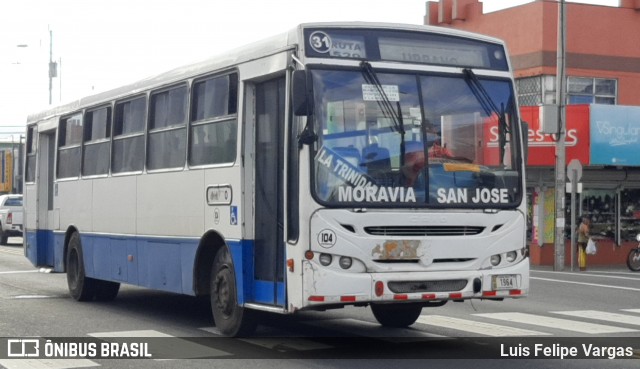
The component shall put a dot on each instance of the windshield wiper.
(371, 77)
(489, 107)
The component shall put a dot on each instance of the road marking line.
(284, 344)
(549, 322)
(32, 297)
(47, 363)
(472, 326)
(368, 329)
(587, 284)
(602, 315)
(632, 310)
(175, 348)
(20, 271)
(593, 274)
(278, 343)
(131, 334)
(213, 330)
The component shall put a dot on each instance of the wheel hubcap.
(223, 298)
(73, 268)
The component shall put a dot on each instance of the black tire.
(396, 315)
(106, 290)
(81, 287)
(230, 319)
(633, 260)
(3, 237)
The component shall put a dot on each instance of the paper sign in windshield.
(356, 185)
(373, 93)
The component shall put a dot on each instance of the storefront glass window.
(600, 207)
(629, 214)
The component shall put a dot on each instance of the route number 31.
(320, 42)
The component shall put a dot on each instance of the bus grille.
(413, 231)
(427, 286)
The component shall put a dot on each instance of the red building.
(602, 69)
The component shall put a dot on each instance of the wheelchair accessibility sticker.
(234, 215)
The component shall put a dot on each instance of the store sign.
(542, 147)
(615, 135)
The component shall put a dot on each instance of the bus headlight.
(495, 260)
(325, 259)
(511, 256)
(345, 262)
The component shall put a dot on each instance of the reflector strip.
(489, 293)
(400, 297)
(515, 292)
(347, 298)
(428, 296)
(455, 295)
(316, 298)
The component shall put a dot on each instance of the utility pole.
(53, 66)
(559, 245)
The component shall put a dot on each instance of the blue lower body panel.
(39, 248)
(165, 264)
(262, 292)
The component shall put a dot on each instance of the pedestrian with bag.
(583, 239)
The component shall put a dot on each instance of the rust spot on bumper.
(396, 250)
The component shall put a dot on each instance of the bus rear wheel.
(230, 318)
(396, 315)
(81, 287)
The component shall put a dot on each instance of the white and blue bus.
(338, 164)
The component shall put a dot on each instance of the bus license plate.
(505, 282)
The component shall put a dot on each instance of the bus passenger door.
(39, 249)
(269, 255)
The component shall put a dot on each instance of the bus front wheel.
(230, 318)
(81, 287)
(396, 315)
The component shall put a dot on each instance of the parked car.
(10, 217)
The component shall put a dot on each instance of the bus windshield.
(392, 139)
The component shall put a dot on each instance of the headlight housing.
(325, 259)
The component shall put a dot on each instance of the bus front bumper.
(325, 286)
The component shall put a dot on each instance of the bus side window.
(214, 121)
(167, 129)
(70, 146)
(128, 136)
(97, 131)
(30, 172)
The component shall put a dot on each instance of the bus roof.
(219, 62)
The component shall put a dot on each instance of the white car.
(10, 217)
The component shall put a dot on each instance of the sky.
(101, 44)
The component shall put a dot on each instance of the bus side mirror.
(302, 106)
(525, 140)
